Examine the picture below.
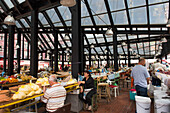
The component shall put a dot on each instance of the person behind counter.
(87, 89)
(54, 96)
(141, 78)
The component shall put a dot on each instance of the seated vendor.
(87, 89)
(54, 96)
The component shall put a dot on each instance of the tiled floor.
(120, 104)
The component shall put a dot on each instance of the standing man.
(141, 78)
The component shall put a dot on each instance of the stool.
(115, 88)
(127, 82)
(94, 103)
(105, 92)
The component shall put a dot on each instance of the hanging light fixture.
(9, 20)
(67, 49)
(17, 46)
(123, 44)
(105, 50)
(160, 47)
(163, 40)
(39, 43)
(68, 3)
(109, 32)
(53, 55)
(168, 23)
(92, 46)
(85, 52)
(68, 54)
(48, 51)
(92, 57)
(66, 37)
(137, 55)
(130, 49)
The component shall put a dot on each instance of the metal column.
(129, 63)
(89, 58)
(5, 52)
(62, 65)
(76, 40)
(18, 51)
(11, 50)
(34, 43)
(115, 52)
(55, 51)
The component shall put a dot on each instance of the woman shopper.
(87, 89)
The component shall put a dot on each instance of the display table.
(32, 99)
(12, 84)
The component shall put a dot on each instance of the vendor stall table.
(68, 88)
(12, 84)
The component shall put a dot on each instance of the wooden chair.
(65, 109)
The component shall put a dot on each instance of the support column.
(55, 51)
(108, 61)
(115, 52)
(18, 51)
(28, 50)
(76, 40)
(23, 47)
(125, 60)
(34, 43)
(129, 63)
(52, 59)
(11, 50)
(89, 58)
(62, 65)
(98, 63)
(5, 52)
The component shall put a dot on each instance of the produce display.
(72, 81)
(26, 91)
(15, 78)
(43, 81)
(10, 79)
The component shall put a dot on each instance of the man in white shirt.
(54, 96)
(141, 78)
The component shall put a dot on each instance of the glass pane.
(109, 39)
(43, 20)
(156, 1)
(120, 18)
(20, 1)
(132, 36)
(135, 3)
(18, 25)
(84, 11)
(143, 36)
(65, 13)
(158, 14)
(116, 4)
(138, 16)
(100, 40)
(86, 21)
(53, 15)
(102, 19)
(24, 23)
(68, 23)
(9, 3)
(97, 6)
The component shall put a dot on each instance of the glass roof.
(134, 14)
